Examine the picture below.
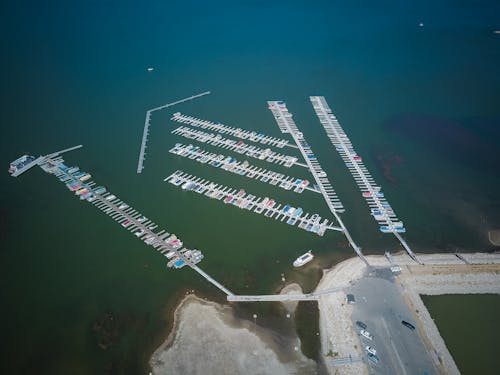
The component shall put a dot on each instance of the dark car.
(361, 324)
(409, 325)
(373, 358)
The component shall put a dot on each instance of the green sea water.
(420, 104)
(471, 335)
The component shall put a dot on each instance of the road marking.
(394, 347)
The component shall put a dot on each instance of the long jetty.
(237, 146)
(287, 125)
(239, 198)
(232, 165)
(168, 245)
(282, 297)
(145, 132)
(380, 208)
(232, 131)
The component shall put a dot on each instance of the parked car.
(361, 325)
(366, 334)
(373, 357)
(370, 350)
(409, 325)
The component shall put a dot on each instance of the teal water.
(420, 105)
(471, 336)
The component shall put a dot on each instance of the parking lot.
(380, 305)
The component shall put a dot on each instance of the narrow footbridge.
(283, 297)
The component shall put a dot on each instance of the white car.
(366, 334)
(370, 350)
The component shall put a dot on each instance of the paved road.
(380, 305)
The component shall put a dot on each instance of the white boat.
(303, 259)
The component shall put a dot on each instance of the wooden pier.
(232, 165)
(232, 131)
(283, 297)
(265, 206)
(42, 159)
(145, 132)
(237, 146)
(168, 245)
(287, 125)
(380, 208)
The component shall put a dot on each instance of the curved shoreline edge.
(207, 338)
(440, 274)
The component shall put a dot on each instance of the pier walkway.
(133, 221)
(42, 159)
(237, 146)
(380, 208)
(212, 280)
(145, 132)
(229, 130)
(283, 297)
(232, 165)
(287, 125)
(239, 198)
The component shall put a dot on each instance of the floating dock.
(287, 125)
(381, 211)
(237, 146)
(30, 161)
(232, 165)
(144, 229)
(232, 131)
(145, 132)
(265, 206)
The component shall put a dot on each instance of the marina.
(240, 198)
(145, 132)
(234, 132)
(133, 221)
(286, 124)
(232, 165)
(380, 209)
(77, 181)
(237, 146)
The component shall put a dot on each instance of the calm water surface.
(80, 295)
(471, 336)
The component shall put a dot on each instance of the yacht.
(303, 259)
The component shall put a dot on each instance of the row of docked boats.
(237, 146)
(229, 130)
(239, 198)
(232, 165)
(380, 209)
(167, 244)
(285, 122)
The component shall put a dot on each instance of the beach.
(208, 339)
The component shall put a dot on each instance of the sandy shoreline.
(208, 339)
